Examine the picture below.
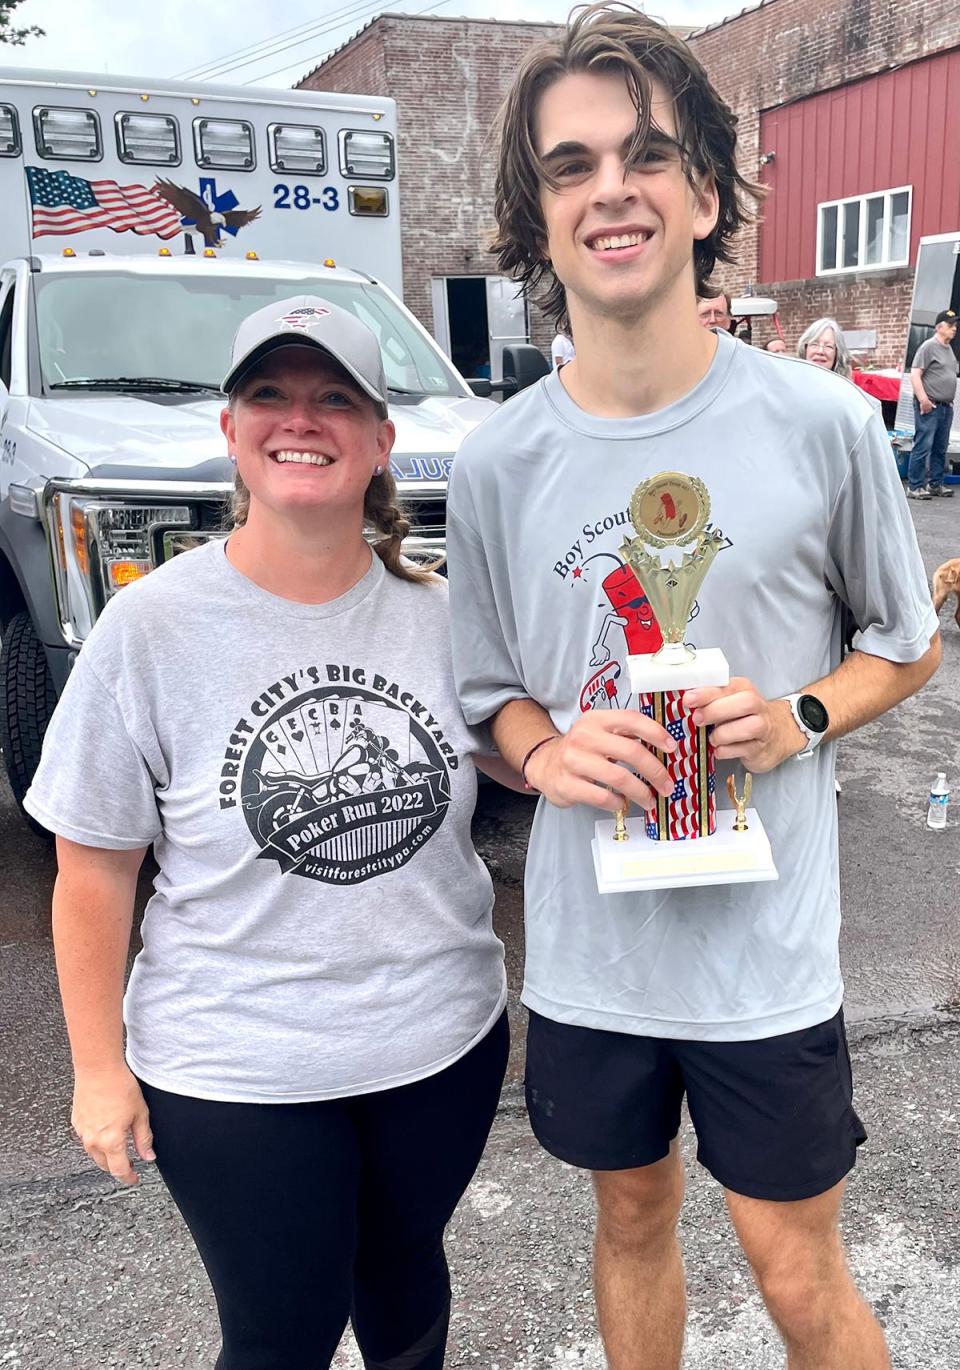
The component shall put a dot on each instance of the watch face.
(813, 713)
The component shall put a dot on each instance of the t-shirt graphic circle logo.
(340, 786)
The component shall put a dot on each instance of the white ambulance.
(141, 221)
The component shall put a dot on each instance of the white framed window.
(67, 135)
(224, 143)
(9, 132)
(864, 232)
(151, 139)
(297, 148)
(367, 154)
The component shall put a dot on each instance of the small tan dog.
(946, 582)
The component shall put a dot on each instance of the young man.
(933, 376)
(617, 193)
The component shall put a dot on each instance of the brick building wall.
(448, 77)
(784, 50)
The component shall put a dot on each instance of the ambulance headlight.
(99, 546)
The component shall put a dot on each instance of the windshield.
(109, 327)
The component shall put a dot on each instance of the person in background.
(822, 343)
(933, 375)
(715, 312)
(316, 1036)
(777, 346)
(562, 350)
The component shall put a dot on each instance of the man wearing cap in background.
(933, 376)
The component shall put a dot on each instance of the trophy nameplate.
(684, 841)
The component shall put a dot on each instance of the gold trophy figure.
(740, 801)
(679, 844)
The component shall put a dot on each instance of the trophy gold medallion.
(683, 841)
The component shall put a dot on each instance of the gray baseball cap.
(308, 321)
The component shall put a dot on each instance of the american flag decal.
(62, 203)
(691, 810)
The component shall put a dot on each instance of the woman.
(822, 343)
(316, 1035)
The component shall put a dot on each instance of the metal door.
(506, 319)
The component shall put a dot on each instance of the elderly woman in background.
(822, 343)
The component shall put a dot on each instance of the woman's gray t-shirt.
(321, 924)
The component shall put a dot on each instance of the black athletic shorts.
(774, 1118)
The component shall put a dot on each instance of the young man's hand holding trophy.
(680, 842)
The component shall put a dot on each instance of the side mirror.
(484, 388)
(523, 365)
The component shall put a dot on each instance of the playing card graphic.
(295, 735)
(316, 729)
(277, 747)
(334, 718)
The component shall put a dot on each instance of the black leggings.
(306, 1215)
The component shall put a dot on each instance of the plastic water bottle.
(939, 799)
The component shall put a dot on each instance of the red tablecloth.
(881, 387)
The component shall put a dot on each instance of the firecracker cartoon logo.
(339, 778)
(625, 622)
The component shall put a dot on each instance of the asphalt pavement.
(95, 1276)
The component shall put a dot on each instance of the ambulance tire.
(27, 700)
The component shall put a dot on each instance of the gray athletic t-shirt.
(938, 362)
(805, 489)
(321, 923)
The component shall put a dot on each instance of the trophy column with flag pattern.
(683, 842)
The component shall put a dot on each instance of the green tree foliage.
(9, 34)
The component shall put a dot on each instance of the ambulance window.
(9, 132)
(148, 138)
(368, 156)
(297, 148)
(67, 135)
(6, 339)
(225, 143)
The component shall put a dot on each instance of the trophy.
(682, 841)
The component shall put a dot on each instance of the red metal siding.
(897, 129)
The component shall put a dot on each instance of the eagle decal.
(199, 217)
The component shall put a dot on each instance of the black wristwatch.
(812, 718)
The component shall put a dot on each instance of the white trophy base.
(673, 669)
(642, 863)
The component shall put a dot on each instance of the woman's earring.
(233, 458)
(379, 470)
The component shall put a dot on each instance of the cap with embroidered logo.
(946, 316)
(308, 321)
